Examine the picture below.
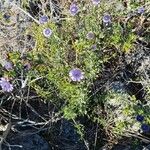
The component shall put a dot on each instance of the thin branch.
(26, 14)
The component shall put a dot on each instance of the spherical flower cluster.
(47, 32)
(139, 118)
(95, 2)
(106, 18)
(27, 66)
(73, 9)
(43, 19)
(6, 16)
(141, 10)
(90, 35)
(76, 74)
(145, 128)
(8, 65)
(5, 85)
(94, 47)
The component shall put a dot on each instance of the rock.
(27, 142)
(65, 137)
(69, 132)
(122, 147)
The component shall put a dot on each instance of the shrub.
(68, 58)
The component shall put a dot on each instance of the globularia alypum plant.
(69, 56)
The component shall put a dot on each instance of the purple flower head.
(90, 35)
(6, 16)
(43, 19)
(74, 9)
(8, 66)
(76, 74)
(5, 85)
(145, 128)
(94, 47)
(47, 32)
(95, 2)
(139, 118)
(106, 18)
(27, 66)
(141, 10)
